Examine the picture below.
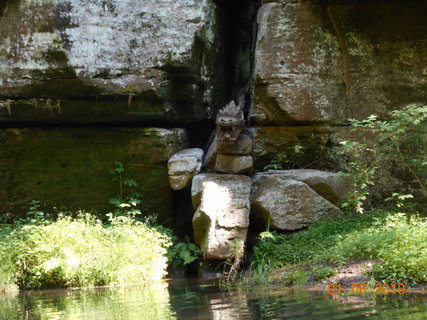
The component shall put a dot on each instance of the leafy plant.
(183, 253)
(298, 277)
(321, 273)
(400, 201)
(274, 166)
(125, 204)
(400, 140)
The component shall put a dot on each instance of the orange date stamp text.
(362, 289)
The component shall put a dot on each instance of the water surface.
(184, 299)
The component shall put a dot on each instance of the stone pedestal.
(221, 219)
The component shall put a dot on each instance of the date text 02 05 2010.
(379, 288)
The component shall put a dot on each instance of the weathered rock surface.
(288, 204)
(297, 146)
(68, 61)
(70, 167)
(320, 62)
(331, 186)
(234, 164)
(183, 166)
(221, 219)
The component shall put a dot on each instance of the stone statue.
(231, 147)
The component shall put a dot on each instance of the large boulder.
(221, 219)
(71, 61)
(327, 61)
(330, 185)
(288, 204)
(183, 166)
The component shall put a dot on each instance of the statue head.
(229, 123)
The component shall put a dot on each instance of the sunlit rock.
(234, 164)
(183, 166)
(71, 61)
(221, 219)
(288, 204)
(330, 185)
(324, 62)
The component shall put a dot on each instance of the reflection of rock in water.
(230, 306)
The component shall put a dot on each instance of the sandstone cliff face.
(74, 73)
(325, 62)
(319, 63)
(110, 63)
(107, 61)
(69, 168)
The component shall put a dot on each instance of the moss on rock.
(71, 167)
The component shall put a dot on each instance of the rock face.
(69, 168)
(298, 146)
(183, 166)
(221, 219)
(288, 204)
(72, 64)
(68, 61)
(319, 62)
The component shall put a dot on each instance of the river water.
(185, 299)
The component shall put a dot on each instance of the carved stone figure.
(231, 147)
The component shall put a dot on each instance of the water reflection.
(148, 302)
(203, 300)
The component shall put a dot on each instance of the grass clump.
(398, 241)
(82, 251)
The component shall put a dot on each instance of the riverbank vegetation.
(392, 240)
(81, 251)
(395, 243)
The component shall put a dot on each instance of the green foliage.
(298, 277)
(183, 253)
(125, 204)
(274, 166)
(396, 240)
(82, 252)
(321, 273)
(400, 142)
(38, 251)
(400, 201)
